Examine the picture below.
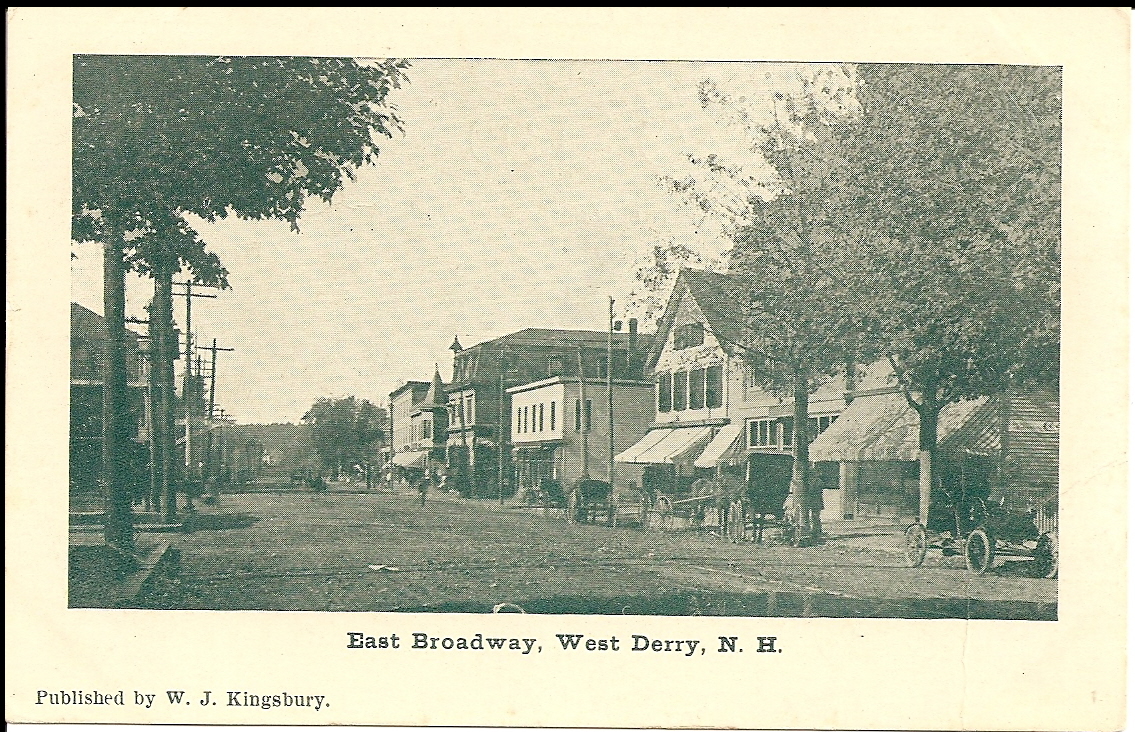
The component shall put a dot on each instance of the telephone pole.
(187, 382)
(212, 404)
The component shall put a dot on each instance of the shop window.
(697, 389)
(713, 383)
(664, 387)
(680, 385)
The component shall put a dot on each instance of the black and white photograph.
(653, 352)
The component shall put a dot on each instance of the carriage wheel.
(979, 551)
(915, 545)
(1046, 556)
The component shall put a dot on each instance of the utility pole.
(212, 403)
(187, 384)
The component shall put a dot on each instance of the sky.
(521, 194)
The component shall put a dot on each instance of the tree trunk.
(927, 455)
(161, 342)
(803, 505)
(118, 527)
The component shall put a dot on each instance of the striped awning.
(666, 445)
(725, 447)
(884, 427)
(413, 459)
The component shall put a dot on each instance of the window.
(516, 425)
(541, 426)
(762, 433)
(526, 419)
(664, 386)
(587, 415)
(427, 430)
(552, 416)
(469, 409)
(578, 416)
(688, 336)
(713, 376)
(817, 425)
(786, 432)
(681, 381)
(697, 388)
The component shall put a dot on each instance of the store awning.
(725, 447)
(666, 445)
(884, 427)
(414, 459)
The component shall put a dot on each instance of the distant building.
(429, 421)
(478, 451)
(88, 336)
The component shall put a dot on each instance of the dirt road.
(384, 552)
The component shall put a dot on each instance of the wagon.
(983, 527)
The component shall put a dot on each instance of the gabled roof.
(717, 295)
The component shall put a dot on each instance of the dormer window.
(688, 336)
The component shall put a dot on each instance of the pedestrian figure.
(423, 486)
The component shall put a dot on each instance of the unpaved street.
(381, 551)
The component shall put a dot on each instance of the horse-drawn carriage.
(980, 523)
(739, 501)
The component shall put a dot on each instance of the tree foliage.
(345, 431)
(154, 137)
(958, 169)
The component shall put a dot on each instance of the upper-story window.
(665, 383)
(681, 380)
(697, 389)
(713, 386)
(688, 336)
(516, 425)
(552, 416)
(540, 423)
(469, 411)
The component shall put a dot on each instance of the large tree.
(958, 168)
(792, 245)
(346, 432)
(157, 137)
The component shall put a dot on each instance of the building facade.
(561, 431)
(88, 334)
(711, 417)
(404, 400)
(480, 425)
